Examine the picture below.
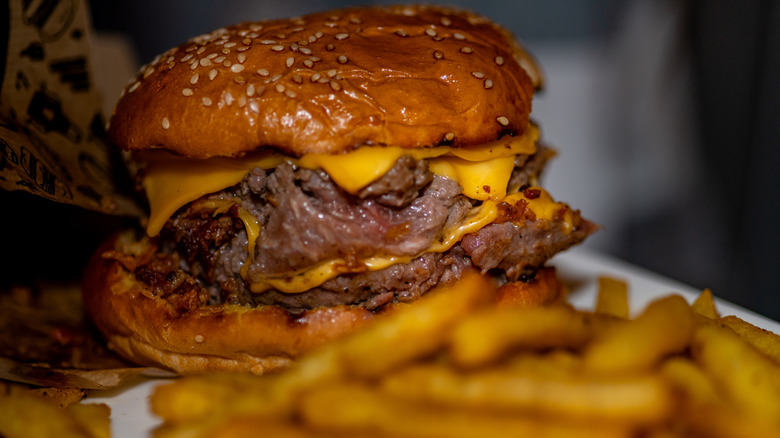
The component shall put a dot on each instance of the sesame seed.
(430, 32)
(446, 22)
(499, 60)
(275, 78)
(315, 77)
(187, 91)
(335, 86)
(268, 42)
(342, 59)
(402, 33)
(211, 56)
(200, 50)
(331, 73)
(212, 74)
(230, 44)
(314, 59)
(254, 106)
(297, 79)
(256, 27)
(228, 98)
(186, 58)
(206, 101)
(312, 38)
(466, 50)
(236, 68)
(478, 74)
(250, 90)
(503, 121)
(280, 88)
(449, 136)
(329, 24)
(305, 51)
(488, 83)
(241, 58)
(323, 80)
(319, 35)
(458, 36)
(303, 43)
(355, 20)
(219, 59)
(194, 65)
(290, 61)
(308, 63)
(194, 79)
(225, 51)
(241, 101)
(148, 72)
(246, 41)
(294, 47)
(240, 80)
(438, 54)
(205, 62)
(134, 87)
(281, 36)
(342, 36)
(263, 72)
(277, 48)
(330, 47)
(291, 94)
(166, 123)
(199, 339)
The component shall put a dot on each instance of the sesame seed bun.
(411, 76)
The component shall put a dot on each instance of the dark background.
(666, 116)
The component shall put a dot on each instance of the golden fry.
(416, 331)
(488, 336)
(641, 399)
(94, 418)
(762, 340)
(747, 377)
(358, 407)
(27, 415)
(665, 327)
(612, 297)
(704, 305)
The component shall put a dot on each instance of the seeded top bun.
(408, 76)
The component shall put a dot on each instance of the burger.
(304, 175)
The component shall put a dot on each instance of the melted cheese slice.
(483, 171)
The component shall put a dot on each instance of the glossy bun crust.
(409, 76)
(146, 329)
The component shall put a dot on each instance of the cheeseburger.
(305, 174)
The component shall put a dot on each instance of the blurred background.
(666, 115)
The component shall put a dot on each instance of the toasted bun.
(411, 76)
(145, 329)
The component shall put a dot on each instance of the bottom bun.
(146, 329)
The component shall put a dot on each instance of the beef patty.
(306, 219)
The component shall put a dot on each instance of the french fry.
(415, 332)
(612, 297)
(748, 378)
(691, 381)
(665, 327)
(704, 305)
(485, 337)
(762, 340)
(93, 417)
(28, 415)
(358, 407)
(640, 399)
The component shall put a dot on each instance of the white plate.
(579, 268)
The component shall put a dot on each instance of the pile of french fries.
(29, 412)
(452, 365)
